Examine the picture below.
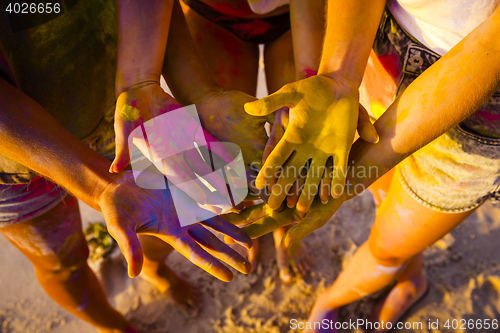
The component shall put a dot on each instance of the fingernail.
(300, 209)
(228, 240)
(324, 202)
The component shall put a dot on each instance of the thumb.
(313, 220)
(122, 154)
(131, 248)
(286, 96)
(366, 129)
(277, 132)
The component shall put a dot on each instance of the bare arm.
(184, 69)
(350, 32)
(143, 28)
(221, 112)
(308, 25)
(444, 95)
(31, 136)
(325, 106)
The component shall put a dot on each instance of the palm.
(130, 210)
(323, 120)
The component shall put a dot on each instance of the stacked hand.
(130, 210)
(315, 146)
(262, 219)
(166, 134)
(150, 118)
(222, 114)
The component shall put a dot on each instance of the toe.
(286, 275)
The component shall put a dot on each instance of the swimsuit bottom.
(251, 30)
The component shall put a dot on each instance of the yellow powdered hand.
(322, 124)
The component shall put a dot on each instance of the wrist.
(206, 94)
(104, 184)
(339, 84)
(305, 73)
(130, 82)
(341, 75)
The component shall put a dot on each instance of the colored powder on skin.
(310, 72)
(84, 302)
(129, 112)
(389, 270)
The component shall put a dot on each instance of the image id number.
(26, 8)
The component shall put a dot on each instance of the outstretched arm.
(350, 32)
(459, 84)
(308, 21)
(142, 38)
(143, 28)
(31, 136)
(325, 107)
(444, 95)
(221, 112)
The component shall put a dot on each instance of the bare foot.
(321, 320)
(399, 300)
(128, 329)
(253, 255)
(182, 294)
(292, 262)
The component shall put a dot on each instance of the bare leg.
(380, 188)
(55, 244)
(280, 70)
(279, 62)
(293, 261)
(179, 291)
(403, 228)
(411, 286)
(233, 62)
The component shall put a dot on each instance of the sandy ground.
(463, 269)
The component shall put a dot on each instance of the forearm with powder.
(444, 95)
